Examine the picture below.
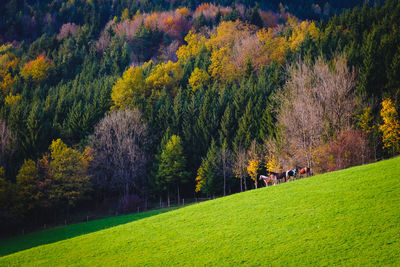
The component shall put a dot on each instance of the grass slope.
(14, 244)
(350, 217)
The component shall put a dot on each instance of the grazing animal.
(267, 179)
(303, 170)
(291, 173)
(279, 176)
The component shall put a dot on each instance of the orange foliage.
(183, 11)
(38, 69)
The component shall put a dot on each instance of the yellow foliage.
(252, 168)
(272, 164)
(125, 14)
(227, 33)
(12, 99)
(127, 88)
(7, 82)
(87, 157)
(221, 68)
(165, 76)
(300, 32)
(199, 78)
(200, 179)
(38, 69)
(184, 12)
(391, 126)
(69, 171)
(274, 47)
(5, 48)
(365, 121)
(8, 62)
(194, 43)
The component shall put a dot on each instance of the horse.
(280, 175)
(303, 170)
(291, 173)
(267, 179)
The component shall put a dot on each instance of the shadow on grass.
(18, 243)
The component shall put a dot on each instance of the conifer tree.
(172, 169)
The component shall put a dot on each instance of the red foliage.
(349, 149)
(270, 19)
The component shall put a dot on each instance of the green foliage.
(172, 168)
(209, 180)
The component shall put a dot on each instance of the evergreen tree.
(172, 169)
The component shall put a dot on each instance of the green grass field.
(11, 245)
(350, 217)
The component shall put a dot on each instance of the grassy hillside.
(11, 245)
(350, 217)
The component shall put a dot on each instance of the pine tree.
(172, 169)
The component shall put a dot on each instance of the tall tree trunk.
(224, 181)
(179, 197)
(245, 184)
(126, 189)
(241, 184)
(168, 198)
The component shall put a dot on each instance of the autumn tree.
(128, 89)
(37, 69)
(199, 79)
(165, 76)
(120, 143)
(8, 64)
(390, 128)
(253, 163)
(316, 103)
(69, 171)
(33, 183)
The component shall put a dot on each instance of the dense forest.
(138, 102)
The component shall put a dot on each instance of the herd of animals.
(277, 177)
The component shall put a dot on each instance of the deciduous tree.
(391, 126)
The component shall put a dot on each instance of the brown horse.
(267, 179)
(303, 170)
(279, 175)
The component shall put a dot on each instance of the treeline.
(181, 103)
(26, 20)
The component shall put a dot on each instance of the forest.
(120, 105)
